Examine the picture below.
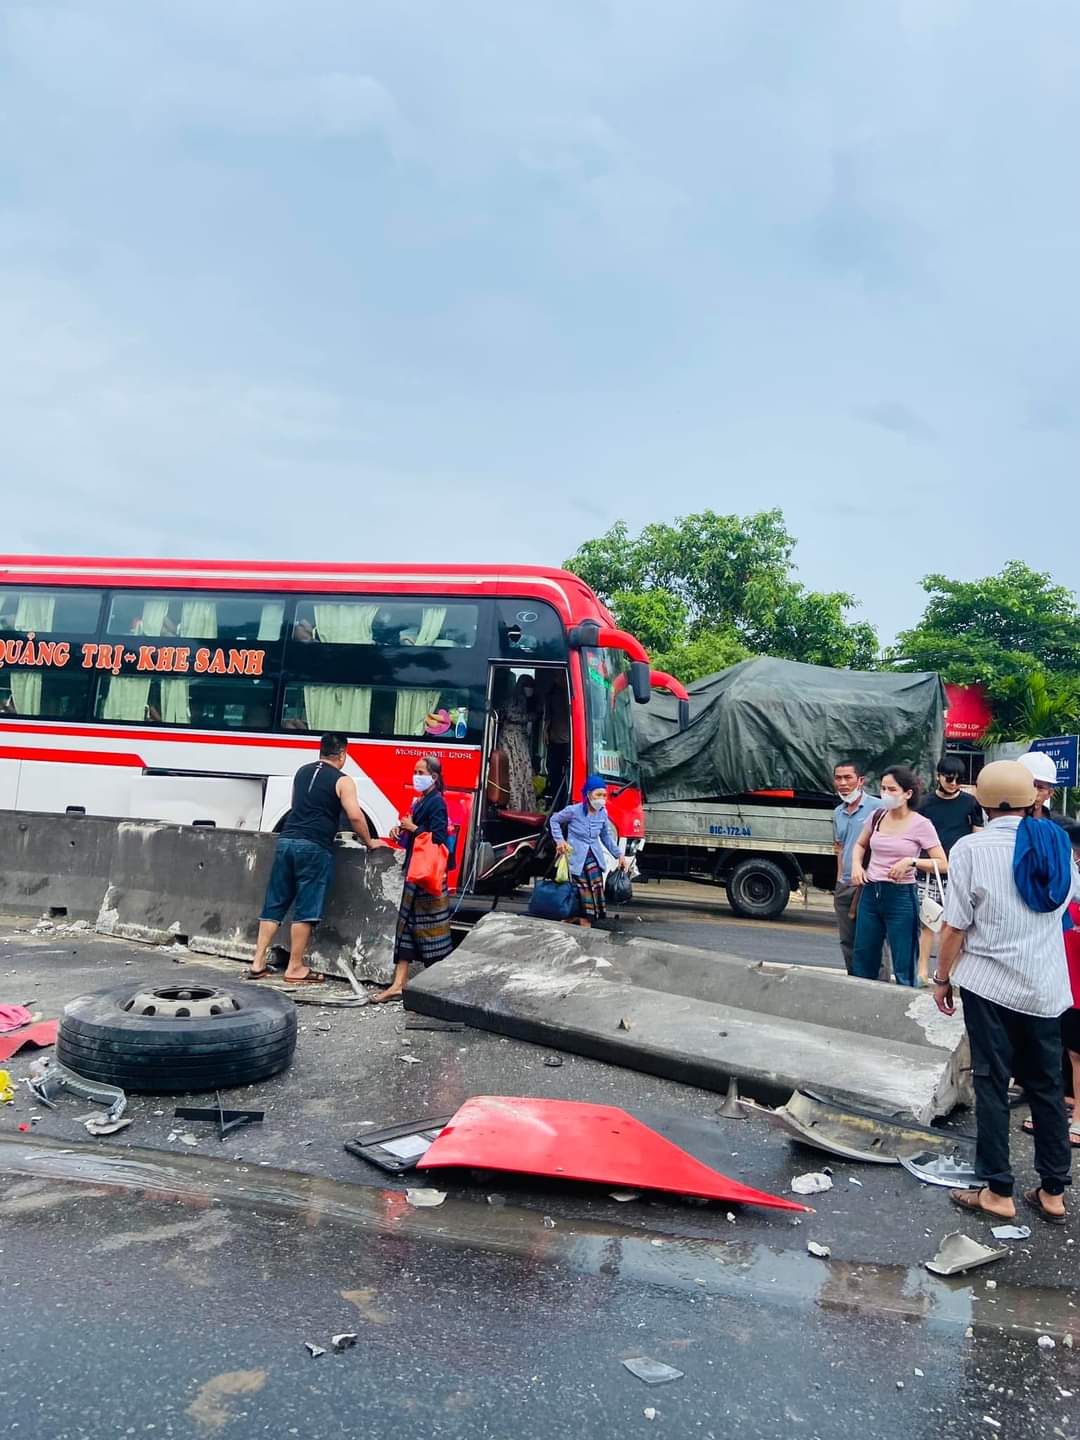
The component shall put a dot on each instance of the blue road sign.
(1062, 749)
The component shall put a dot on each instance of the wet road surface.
(132, 1310)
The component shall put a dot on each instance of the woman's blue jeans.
(887, 911)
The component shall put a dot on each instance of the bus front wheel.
(757, 889)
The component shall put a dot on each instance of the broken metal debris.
(732, 1107)
(653, 1372)
(573, 1140)
(226, 1120)
(48, 1079)
(953, 1172)
(959, 1252)
(814, 1182)
(1011, 1232)
(102, 1125)
(397, 1148)
(857, 1134)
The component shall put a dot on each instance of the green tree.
(995, 631)
(1033, 706)
(709, 590)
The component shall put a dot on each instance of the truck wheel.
(758, 889)
(173, 1038)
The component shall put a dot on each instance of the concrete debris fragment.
(314, 1350)
(649, 1412)
(959, 1252)
(653, 1372)
(814, 1182)
(821, 1251)
(345, 1341)
(1046, 1342)
(919, 1372)
(1011, 1232)
(425, 1199)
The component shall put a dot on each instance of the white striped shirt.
(1012, 956)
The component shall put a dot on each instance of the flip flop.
(254, 974)
(1031, 1197)
(309, 979)
(971, 1202)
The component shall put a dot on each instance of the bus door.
(526, 769)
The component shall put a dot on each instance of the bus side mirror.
(684, 715)
(641, 681)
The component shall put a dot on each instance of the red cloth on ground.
(41, 1034)
(12, 1016)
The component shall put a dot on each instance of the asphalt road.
(128, 1311)
(145, 1282)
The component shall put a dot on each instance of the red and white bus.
(191, 691)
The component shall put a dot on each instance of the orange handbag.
(427, 865)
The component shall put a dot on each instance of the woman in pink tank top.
(885, 865)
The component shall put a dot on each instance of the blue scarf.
(1042, 865)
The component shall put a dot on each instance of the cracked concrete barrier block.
(700, 1017)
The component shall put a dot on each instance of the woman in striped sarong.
(587, 837)
(423, 923)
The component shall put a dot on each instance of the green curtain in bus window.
(126, 698)
(411, 709)
(25, 691)
(154, 615)
(346, 624)
(198, 619)
(35, 612)
(338, 707)
(270, 617)
(175, 702)
(431, 623)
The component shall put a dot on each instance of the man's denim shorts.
(302, 873)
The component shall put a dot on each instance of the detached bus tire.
(170, 1039)
(758, 889)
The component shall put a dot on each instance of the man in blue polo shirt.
(849, 817)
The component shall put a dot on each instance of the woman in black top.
(423, 923)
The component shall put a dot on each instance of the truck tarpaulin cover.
(779, 725)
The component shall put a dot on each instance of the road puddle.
(729, 1268)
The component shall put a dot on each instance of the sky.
(429, 282)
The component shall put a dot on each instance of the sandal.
(311, 978)
(254, 974)
(1028, 1128)
(971, 1202)
(1032, 1198)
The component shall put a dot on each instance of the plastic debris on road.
(102, 1125)
(952, 1172)
(653, 1372)
(410, 1059)
(624, 1195)
(814, 1182)
(649, 1412)
(1011, 1232)
(345, 1341)
(425, 1199)
(959, 1252)
(314, 1350)
(821, 1251)
(7, 1090)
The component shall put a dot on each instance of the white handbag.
(931, 910)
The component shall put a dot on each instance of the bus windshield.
(608, 704)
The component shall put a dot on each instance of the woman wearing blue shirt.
(587, 836)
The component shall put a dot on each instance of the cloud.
(897, 418)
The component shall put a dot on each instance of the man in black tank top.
(304, 857)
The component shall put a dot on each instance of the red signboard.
(968, 713)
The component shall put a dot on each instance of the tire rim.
(182, 1002)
